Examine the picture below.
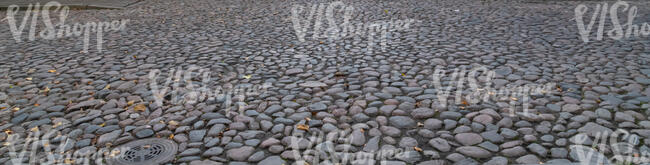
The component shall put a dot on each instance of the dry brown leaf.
(107, 86)
(140, 107)
(130, 103)
(51, 71)
(303, 127)
(417, 149)
(68, 161)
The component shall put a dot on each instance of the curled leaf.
(303, 127)
(140, 107)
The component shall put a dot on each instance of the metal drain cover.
(146, 151)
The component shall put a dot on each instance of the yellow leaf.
(102, 125)
(16, 109)
(51, 71)
(35, 129)
(68, 161)
(303, 127)
(130, 103)
(247, 76)
(28, 79)
(57, 124)
(385, 11)
(115, 153)
(107, 86)
(140, 107)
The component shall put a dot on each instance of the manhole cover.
(146, 151)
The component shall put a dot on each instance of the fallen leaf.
(107, 86)
(303, 127)
(385, 11)
(130, 103)
(247, 76)
(307, 118)
(171, 136)
(36, 105)
(417, 149)
(57, 124)
(28, 79)
(9, 132)
(51, 71)
(403, 75)
(173, 122)
(420, 124)
(102, 125)
(140, 107)
(35, 129)
(16, 109)
(47, 89)
(68, 161)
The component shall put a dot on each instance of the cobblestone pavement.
(361, 100)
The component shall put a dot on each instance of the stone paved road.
(363, 100)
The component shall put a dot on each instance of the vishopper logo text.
(39, 148)
(622, 152)
(513, 94)
(179, 87)
(347, 28)
(60, 29)
(318, 146)
(618, 32)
